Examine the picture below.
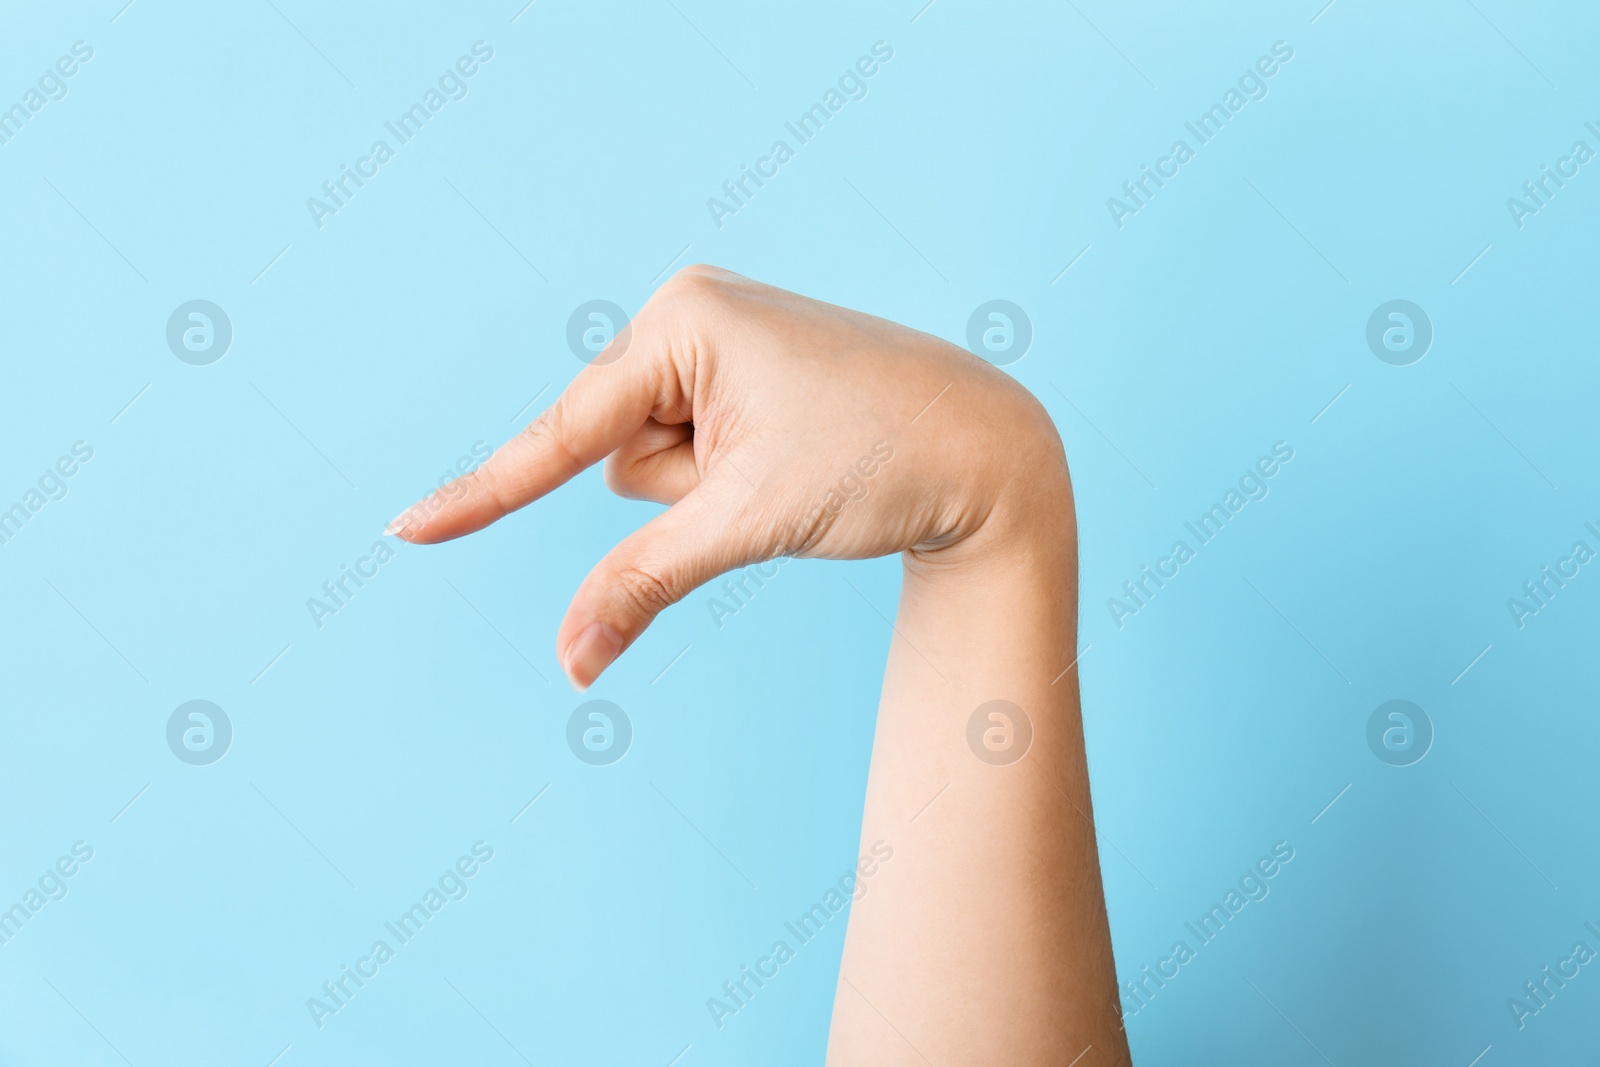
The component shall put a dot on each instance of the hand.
(775, 426)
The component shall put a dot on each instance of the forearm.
(985, 940)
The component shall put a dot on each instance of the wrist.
(1029, 523)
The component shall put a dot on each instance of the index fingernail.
(402, 524)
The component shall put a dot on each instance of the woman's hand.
(775, 426)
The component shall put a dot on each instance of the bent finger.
(653, 568)
(601, 408)
(657, 463)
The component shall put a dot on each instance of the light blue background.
(371, 753)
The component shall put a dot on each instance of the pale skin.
(745, 408)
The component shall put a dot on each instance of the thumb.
(653, 568)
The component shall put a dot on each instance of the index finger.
(597, 412)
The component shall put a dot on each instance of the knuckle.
(644, 588)
(694, 284)
(483, 482)
(546, 437)
(541, 431)
(702, 270)
(1040, 437)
